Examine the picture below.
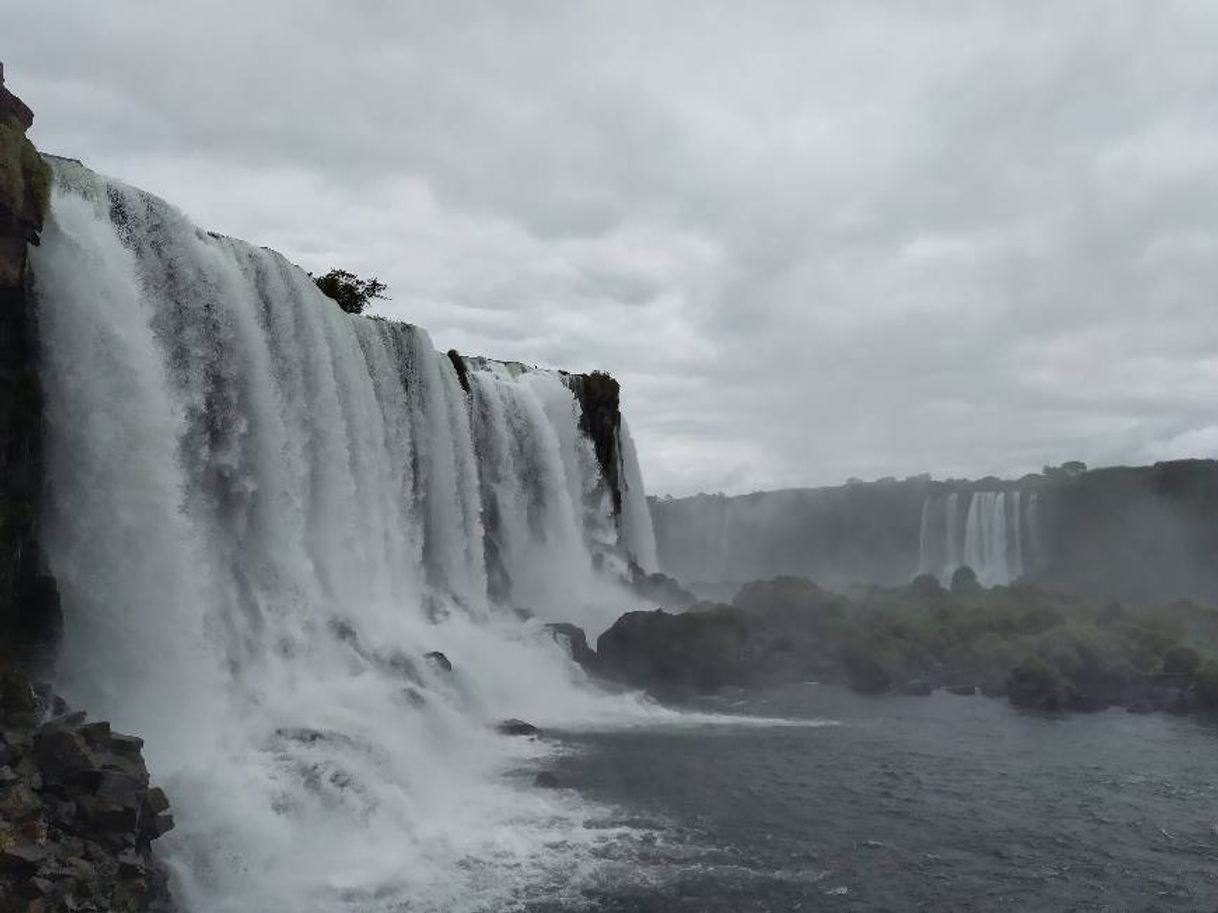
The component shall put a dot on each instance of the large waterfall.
(263, 514)
(991, 532)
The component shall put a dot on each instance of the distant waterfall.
(263, 513)
(991, 539)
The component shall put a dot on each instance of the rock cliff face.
(29, 605)
(599, 397)
(77, 811)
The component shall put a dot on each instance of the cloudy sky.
(813, 239)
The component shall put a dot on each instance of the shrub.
(350, 291)
(964, 580)
(1181, 660)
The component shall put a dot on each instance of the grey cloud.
(814, 240)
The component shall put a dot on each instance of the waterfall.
(952, 545)
(263, 513)
(991, 541)
(637, 531)
(925, 560)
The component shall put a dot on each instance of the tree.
(350, 291)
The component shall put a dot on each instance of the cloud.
(813, 240)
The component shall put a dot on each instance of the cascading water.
(263, 513)
(990, 541)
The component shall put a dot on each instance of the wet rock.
(962, 690)
(439, 660)
(77, 819)
(62, 753)
(547, 780)
(919, 687)
(22, 859)
(573, 638)
(517, 727)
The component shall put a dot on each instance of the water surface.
(943, 803)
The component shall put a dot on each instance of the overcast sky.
(812, 239)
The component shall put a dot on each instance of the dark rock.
(547, 780)
(38, 887)
(439, 660)
(96, 733)
(62, 754)
(458, 364)
(517, 727)
(109, 817)
(18, 802)
(131, 865)
(1033, 685)
(16, 695)
(962, 690)
(600, 417)
(22, 859)
(696, 650)
(918, 687)
(659, 589)
(114, 786)
(156, 801)
(160, 824)
(128, 746)
(576, 642)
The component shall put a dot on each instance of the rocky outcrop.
(1042, 650)
(29, 602)
(573, 638)
(77, 812)
(599, 397)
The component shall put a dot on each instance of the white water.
(991, 540)
(262, 513)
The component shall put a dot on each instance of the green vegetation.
(352, 293)
(1040, 649)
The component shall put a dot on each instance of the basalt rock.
(573, 638)
(29, 601)
(599, 397)
(77, 813)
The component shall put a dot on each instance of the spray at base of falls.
(262, 514)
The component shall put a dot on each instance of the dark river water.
(943, 803)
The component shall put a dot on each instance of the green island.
(1040, 649)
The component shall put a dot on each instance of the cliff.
(1135, 533)
(29, 605)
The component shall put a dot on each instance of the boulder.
(22, 859)
(62, 753)
(517, 727)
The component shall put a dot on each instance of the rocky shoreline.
(77, 811)
(1040, 650)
